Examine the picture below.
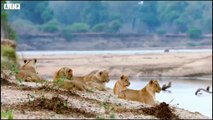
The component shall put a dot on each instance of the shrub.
(114, 26)
(161, 32)
(67, 33)
(24, 26)
(51, 26)
(79, 27)
(194, 33)
(9, 52)
(9, 32)
(101, 27)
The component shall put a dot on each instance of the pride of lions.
(64, 78)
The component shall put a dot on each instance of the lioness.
(121, 84)
(64, 79)
(63, 72)
(145, 95)
(28, 71)
(95, 79)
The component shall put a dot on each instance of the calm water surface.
(182, 94)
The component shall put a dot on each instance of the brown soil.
(55, 104)
(162, 111)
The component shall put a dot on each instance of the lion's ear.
(70, 70)
(151, 82)
(122, 77)
(35, 60)
(100, 73)
(25, 61)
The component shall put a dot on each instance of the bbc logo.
(12, 6)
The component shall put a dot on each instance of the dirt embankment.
(118, 41)
(32, 100)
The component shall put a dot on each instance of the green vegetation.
(8, 114)
(158, 17)
(79, 27)
(8, 57)
(60, 81)
(14, 69)
(115, 25)
(101, 27)
(51, 26)
(194, 33)
(161, 31)
(67, 33)
(5, 26)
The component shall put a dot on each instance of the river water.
(182, 94)
(182, 91)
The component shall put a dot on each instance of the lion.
(64, 79)
(28, 72)
(121, 84)
(145, 95)
(64, 72)
(95, 79)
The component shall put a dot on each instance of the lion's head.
(103, 76)
(68, 73)
(125, 80)
(30, 63)
(154, 86)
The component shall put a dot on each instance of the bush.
(9, 52)
(67, 33)
(101, 27)
(24, 26)
(161, 32)
(9, 32)
(51, 26)
(79, 27)
(194, 33)
(115, 25)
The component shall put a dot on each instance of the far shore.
(181, 64)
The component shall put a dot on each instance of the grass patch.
(7, 114)
(9, 52)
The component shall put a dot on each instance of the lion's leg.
(98, 86)
(78, 85)
(121, 95)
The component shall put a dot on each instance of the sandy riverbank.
(151, 65)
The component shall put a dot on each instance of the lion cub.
(121, 84)
(96, 79)
(28, 71)
(145, 95)
(64, 79)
